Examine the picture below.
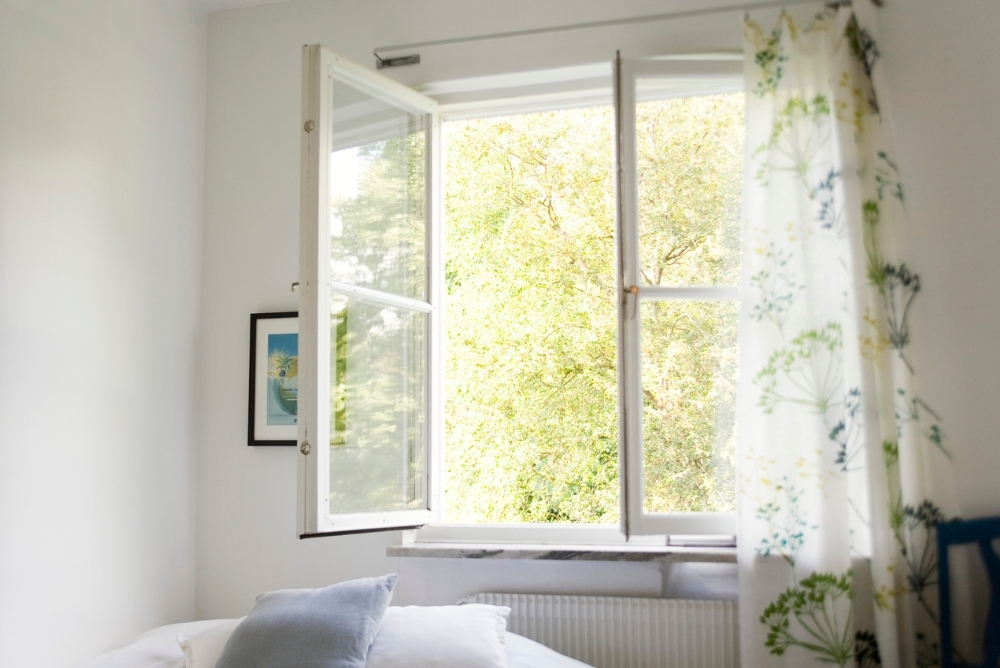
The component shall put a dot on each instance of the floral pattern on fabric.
(845, 469)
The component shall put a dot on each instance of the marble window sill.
(649, 553)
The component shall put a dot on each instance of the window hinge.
(305, 448)
(309, 126)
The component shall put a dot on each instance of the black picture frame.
(258, 432)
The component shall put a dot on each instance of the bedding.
(347, 625)
(441, 637)
(332, 627)
(524, 653)
(159, 649)
(154, 649)
(202, 650)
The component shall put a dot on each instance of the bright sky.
(345, 173)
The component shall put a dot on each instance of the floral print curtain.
(844, 469)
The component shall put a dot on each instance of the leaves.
(786, 522)
(800, 129)
(815, 615)
(806, 371)
(531, 369)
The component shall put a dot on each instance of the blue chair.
(982, 531)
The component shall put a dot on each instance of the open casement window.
(367, 303)
(678, 264)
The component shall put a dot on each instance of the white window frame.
(635, 519)
(321, 68)
(636, 527)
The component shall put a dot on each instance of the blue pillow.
(331, 627)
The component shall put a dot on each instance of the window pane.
(690, 157)
(377, 179)
(530, 379)
(377, 412)
(689, 358)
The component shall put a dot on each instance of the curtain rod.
(691, 13)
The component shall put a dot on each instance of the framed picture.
(274, 379)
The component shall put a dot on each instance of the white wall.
(101, 173)
(247, 541)
(942, 63)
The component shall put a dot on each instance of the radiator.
(611, 632)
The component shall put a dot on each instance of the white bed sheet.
(524, 653)
(159, 649)
(153, 649)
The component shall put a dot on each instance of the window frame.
(708, 75)
(320, 68)
(635, 519)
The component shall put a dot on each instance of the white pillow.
(450, 636)
(202, 650)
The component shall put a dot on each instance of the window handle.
(634, 291)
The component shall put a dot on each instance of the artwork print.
(282, 379)
(272, 412)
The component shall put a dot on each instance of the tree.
(531, 381)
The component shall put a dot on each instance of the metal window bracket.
(382, 63)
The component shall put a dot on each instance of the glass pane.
(377, 414)
(377, 185)
(530, 379)
(689, 359)
(690, 158)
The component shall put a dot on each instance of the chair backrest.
(958, 532)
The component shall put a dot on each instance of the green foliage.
(866, 654)
(689, 157)
(530, 368)
(815, 616)
(777, 286)
(800, 130)
(887, 177)
(847, 432)
(689, 359)
(377, 235)
(377, 416)
(530, 355)
(874, 265)
(806, 371)
(770, 58)
(787, 524)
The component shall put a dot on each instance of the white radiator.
(611, 632)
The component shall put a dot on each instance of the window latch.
(634, 291)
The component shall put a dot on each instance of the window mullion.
(627, 247)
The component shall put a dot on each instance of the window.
(563, 357)
(367, 314)
(679, 231)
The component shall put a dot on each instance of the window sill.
(648, 553)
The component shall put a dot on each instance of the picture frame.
(273, 402)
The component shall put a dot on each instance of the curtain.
(844, 469)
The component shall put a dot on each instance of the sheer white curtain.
(844, 470)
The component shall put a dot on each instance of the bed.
(159, 649)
